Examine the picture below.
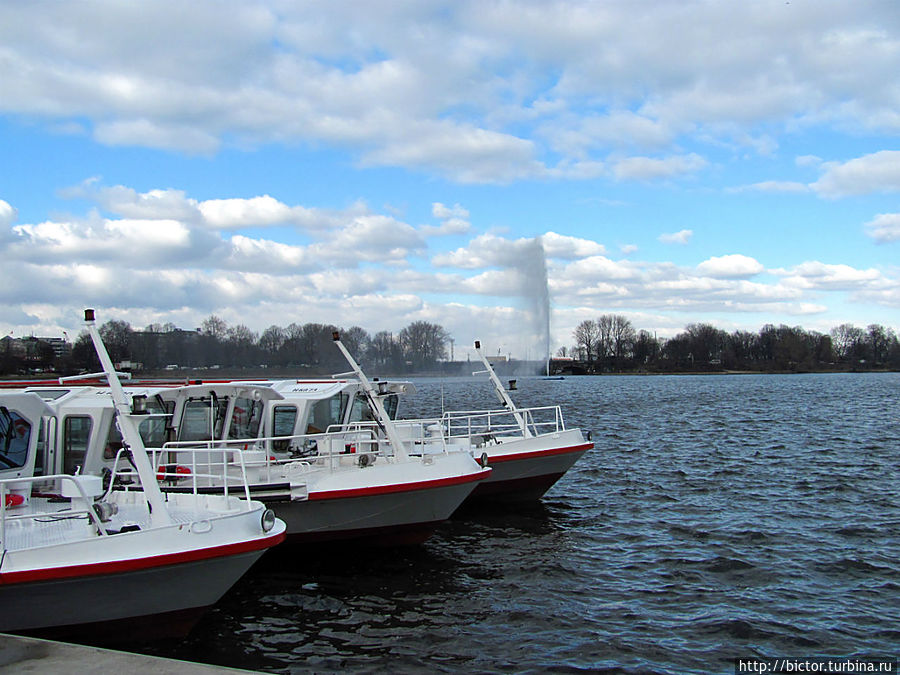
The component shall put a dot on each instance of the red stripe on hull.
(584, 447)
(119, 566)
(403, 487)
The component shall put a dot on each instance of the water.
(717, 517)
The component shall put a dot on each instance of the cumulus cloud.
(681, 237)
(885, 227)
(878, 172)
(454, 220)
(819, 275)
(570, 248)
(652, 168)
(477, 94)
(7, 214)
(733, 266)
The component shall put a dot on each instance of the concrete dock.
(32, 655)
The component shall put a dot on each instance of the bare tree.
(424, 343)
(586, 335)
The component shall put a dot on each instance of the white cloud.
(474, 93)
(885, 227)
(7, 214)
(774, 186)
(650, 168)
(254, 212)
(818, 275)
(878, 172)
(569, 248)
(733, 266)
(453, 220)
(680, 237)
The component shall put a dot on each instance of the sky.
(493, 167)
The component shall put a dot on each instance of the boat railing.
(272, 458)
(80, 490)
(196, 467)
(461, 424)
(251, 460)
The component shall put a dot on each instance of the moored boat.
(322, 453)
(80, 553)
(528, 449)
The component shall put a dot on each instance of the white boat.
(322, 453)
(78, 554)
(528, 449)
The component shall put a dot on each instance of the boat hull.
(69, 604)
(386, 514)
(524, 469)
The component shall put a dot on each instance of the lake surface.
(717, 517)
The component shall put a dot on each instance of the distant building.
(60, 346)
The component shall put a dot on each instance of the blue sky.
(375, 164)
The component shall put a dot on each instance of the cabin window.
(76, 436)
(245, 418)
(284, 418)
(391, 402)
(113, 442)
(327, 412)
(203, 419)
(15, 432)
(40, 458)
(361, 411)
(153, 429)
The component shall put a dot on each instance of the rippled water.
(717, 517)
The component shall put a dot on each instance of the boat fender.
(363, 461)
(483, 460)
(13, 499)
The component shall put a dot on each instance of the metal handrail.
(5, 516)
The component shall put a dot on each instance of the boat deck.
(50, 522)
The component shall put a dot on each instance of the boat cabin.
(77, 432)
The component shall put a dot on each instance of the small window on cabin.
(40, 459)
(153, 429)
(15, 432)
(203, 419)
(113, 442)
(361, 411)
(327, 412)
(245, 418)
(196, 421)
(391, 402)
(76, 436)
(284, 417)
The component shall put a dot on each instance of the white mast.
(159, 515)
(374, 397)
(501, 392)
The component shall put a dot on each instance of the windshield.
(203, 419)
(15, 432)
(327, 412)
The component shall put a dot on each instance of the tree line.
(612, 344)
(216, 345)
(608, 344)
